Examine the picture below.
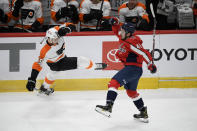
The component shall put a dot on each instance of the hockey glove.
(113, 21)
(99, 15)
(65, 11)
(31, 84)
(35, 25)
(18, 4)
(88, 17)
(152, 68)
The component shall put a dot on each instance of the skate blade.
(101, 111)
(142, 120)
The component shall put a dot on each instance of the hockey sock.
(139, 103)
(111, 95)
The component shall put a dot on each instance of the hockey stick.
(98, 21)
(154, 30)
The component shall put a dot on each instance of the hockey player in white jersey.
(94, 11)
(5, 15)
(64, 11)
(53, 53)
(134, 12)
(28, 14)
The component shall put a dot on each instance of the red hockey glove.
(152, 68)
(114, 21)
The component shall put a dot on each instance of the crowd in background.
(94, 15)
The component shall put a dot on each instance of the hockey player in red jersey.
(132, 54)
(53, 53)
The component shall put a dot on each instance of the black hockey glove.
(35, 25)
(74, 16)
(65, 11)
(99, 15)
(18, 4)
(88, 17)
(152, 68)
(31, 84)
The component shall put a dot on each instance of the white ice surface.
(169, 110)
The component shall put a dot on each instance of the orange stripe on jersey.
(23, 26)
(37, 66)
(81, 3)
(146, 18)
(9, 16)
(53, 13)
(57, 28)
(48, 81)
(81, 16)
(52, 3)
(141, 4)
(44, 50)
(90, 65)
(121, 7)
(41, 20)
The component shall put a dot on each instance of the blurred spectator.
(194, 7)
(28, 15)
(4, 15)
(134, 12)
(165, 8)
(64, 11)
(94, 15)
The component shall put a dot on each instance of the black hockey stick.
(154, 30)
(98, 21)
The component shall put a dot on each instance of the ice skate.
(104, 110)
(100, 66)
(142, 116)
(46, 91)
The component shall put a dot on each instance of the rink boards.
(175, 57)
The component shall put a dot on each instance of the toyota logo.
(111, 56)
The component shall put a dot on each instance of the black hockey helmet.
(129, 27)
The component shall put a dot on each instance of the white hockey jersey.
(48, 53)
(58, 4)
(85, 8)
(31, 11)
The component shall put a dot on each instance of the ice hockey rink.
(169, 110)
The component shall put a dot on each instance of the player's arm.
(17, 4)
(37, 67)
(39, 17)
(139, 50)
(114, 21)
(84, 13)
(121, 13)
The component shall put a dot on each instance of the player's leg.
(111, 97)
(48, 81)
(86, 63)
(131, 89)
(139, 103)
(70, 63)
